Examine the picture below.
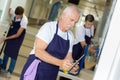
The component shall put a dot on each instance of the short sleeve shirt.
(47, 31)
(81, 32)
(24, 20)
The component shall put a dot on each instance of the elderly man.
(53, 48)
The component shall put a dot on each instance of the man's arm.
(15, 35)
(83, 43)
(43, 55)
(10, 16)
(69, 56)
(90, 49)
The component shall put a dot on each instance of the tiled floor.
(24, 52)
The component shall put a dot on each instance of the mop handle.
(77, 61)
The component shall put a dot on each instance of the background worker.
(84, 34)
(53, 48)
(83, 37)
(14, 37)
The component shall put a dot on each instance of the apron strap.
(57, 31)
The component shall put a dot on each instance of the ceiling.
(95, 7)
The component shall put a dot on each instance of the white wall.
(109, 64)
(2, 4)
(16, 3)
(28, 7)
(6, 4)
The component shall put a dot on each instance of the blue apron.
(13, 45)
(58, 48)
(78, 51)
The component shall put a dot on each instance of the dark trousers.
(11, 66)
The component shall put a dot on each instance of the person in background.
(14, 37)
(83, 37)
(52, 48)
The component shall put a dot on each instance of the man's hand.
(10, 22)
(66, 64)
(75, 69)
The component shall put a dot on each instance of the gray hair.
(70, 9)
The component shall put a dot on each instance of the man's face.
(88, 24)
(18, 16)
(70, 19)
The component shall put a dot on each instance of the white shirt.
(81, 32)
(47, 31)
(24, 20)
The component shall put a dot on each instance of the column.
(5, 11)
